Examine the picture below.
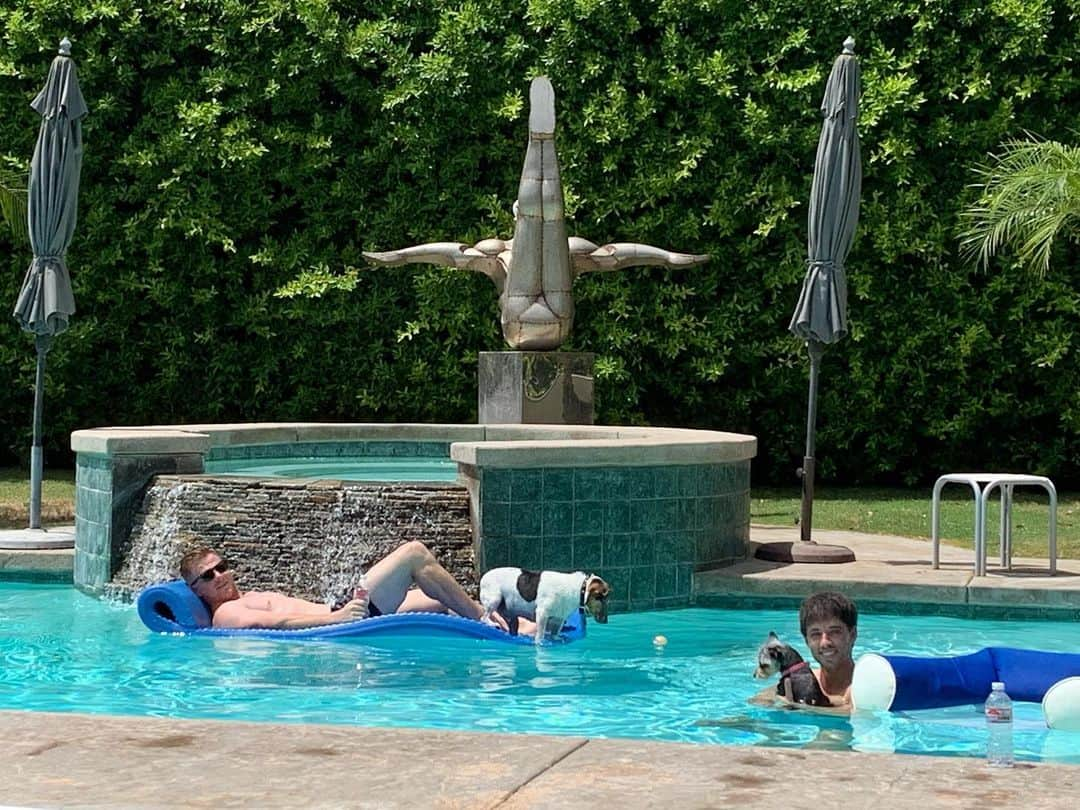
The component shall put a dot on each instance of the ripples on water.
(62, 651)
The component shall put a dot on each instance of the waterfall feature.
(306, 538)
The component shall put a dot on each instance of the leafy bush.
(233, 148)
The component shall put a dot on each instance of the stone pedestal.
(536, 388)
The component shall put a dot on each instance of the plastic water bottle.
(999, 725)
(361, 590)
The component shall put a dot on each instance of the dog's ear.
(599, 588)
(773, 636)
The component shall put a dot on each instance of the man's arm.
(246, 614)
(770, 697)
(837, 710)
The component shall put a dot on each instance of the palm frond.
(1029, 196)
(13, 204)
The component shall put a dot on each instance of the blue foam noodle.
(172, 607)
(1028, 674)
(902, 683)
(926, 683)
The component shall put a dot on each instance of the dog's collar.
(794, 668)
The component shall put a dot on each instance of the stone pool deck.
(35, 564)
(78, 760)
(895, 572)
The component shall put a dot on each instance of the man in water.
(828, 621)
(389, 590)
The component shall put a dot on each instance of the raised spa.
(643, 507)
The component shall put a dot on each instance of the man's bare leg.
(389, 581)
(416, 601)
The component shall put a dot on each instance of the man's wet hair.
(190, 561)
(820, 607)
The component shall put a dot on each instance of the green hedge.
(234, 146)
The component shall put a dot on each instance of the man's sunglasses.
(211, 572)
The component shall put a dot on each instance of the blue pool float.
(903, 682)
(172, 607)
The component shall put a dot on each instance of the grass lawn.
(906, 513)
(57, 497)
(902, 512)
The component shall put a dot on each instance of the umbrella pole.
(42, 343)
(806, 517)
(806, 550)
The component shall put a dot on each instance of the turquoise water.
(367, 468)
(62, 651)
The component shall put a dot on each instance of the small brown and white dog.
(546, 597)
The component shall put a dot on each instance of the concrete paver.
(52, 537)
(76, 760)
(642, 774)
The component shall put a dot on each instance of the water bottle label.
(999, 714)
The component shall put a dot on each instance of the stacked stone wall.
(306, 538)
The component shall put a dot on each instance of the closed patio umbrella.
(45, 301)
(821, 315)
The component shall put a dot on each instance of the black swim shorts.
(372, 608)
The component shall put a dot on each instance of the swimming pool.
(366, 468)
(63, 651)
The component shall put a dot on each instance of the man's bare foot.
(496, 620)
(525, 627)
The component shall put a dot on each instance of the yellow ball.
(659, 641)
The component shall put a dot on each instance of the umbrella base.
(31, 539)
(804, 552)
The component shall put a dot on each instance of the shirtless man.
(389, 584)
(828, 622)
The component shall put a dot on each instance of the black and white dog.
(776, 656)
(546, 597)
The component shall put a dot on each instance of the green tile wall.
(108, 489)
(93, 509)
(644, 529)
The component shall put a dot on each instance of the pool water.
(365, 468)
(63, 651)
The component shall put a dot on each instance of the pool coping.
(476, 445)
(37, 565)
(891, 575)
(71, 760)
